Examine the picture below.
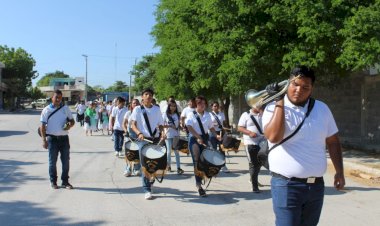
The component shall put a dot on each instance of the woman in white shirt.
(171, 124)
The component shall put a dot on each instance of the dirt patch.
(358, 176)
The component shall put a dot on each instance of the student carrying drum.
(145, 132)
(197, 123)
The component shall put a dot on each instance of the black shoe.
(201, 192)
(256, 190)
(67, 185)
(180, 171)
(53, 185)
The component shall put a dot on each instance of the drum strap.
(147, 122)
(217, 119)
(171, 120)
(200, 123)
(256, 123)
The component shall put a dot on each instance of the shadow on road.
(8, 133)
(27, 213)
(11, 176)
(333, 191)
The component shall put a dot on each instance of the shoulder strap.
(309, 108)
(217, 119)
(199, 122)
(256, 123)
(147, 122)
(54, 112)
(171, 119)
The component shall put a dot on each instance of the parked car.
(40, 103)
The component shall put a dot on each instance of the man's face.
(300, 90)
(147, 97)
(56, 99)
(201, 106)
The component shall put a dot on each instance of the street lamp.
(85, 86)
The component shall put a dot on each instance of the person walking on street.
(117, 117)
(56, 119)
(80, 109)
(297, 164)
(89, 118)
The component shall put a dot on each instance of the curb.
(357, 166)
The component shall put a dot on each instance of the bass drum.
(153, 158)
(132, 151)
(230, 143)
(181, 144)
(210, 162)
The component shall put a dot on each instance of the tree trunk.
(226, 105)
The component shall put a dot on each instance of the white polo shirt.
(303, 155)
(57, 121)
(186, 111)
(81, 108)
(171, 132)
(154, 117)
(118, 114)
(221, 118)
(246, 122)
(206, 121)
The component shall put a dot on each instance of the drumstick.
(149, 141)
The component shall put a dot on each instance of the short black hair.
(149, 90)
(120, 99)
(303, 71)
(58, 92)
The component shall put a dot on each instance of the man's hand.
(339, 181)
(44, 144)
(272, 89)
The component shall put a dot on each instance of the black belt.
(49, 135)
(309, 180)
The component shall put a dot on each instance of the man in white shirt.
(298, 164)
(252, 135)
(56, 119)
(140, 127)
(117, 117)
(190, 108)
(80, 109)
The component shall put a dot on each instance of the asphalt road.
(103, 196)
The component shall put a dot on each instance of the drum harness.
(151, 134)
(203, 135)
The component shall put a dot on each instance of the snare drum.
(132, 151)
(210, 162)
(230, 143)
(153, 158)
(181, 144)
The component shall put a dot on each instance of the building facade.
(73, 89)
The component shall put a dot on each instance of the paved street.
(103, 196)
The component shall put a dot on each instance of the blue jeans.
(296, 203)
(192, 141)
(169, 145)
(146, 183)
(59, 145)
(118, 140)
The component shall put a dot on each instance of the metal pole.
(85, 86)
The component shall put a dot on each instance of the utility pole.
(130, 83)
(85, 86)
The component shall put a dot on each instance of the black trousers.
(254, 165)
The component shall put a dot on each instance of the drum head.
(130, 145)
(153, 151)
(213, 157)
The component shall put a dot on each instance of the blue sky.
(113, 33)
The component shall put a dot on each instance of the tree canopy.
(45, 80)
(222, 48)
(18, 72)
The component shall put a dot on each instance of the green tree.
(144, 75)
(35, 93)
(45, 80)
(18, 72)
(118, 86)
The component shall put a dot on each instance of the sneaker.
(136, 172)
(148, 196)
(256, 190)
(127, 173)
(201, 192)
(180, 171)
(121, 154)
(53, 185)
(116, 153)
(67, 185)
(225, 170)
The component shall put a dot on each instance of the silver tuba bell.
(257, 99)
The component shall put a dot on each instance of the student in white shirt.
(190, 108)
(117, 117)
